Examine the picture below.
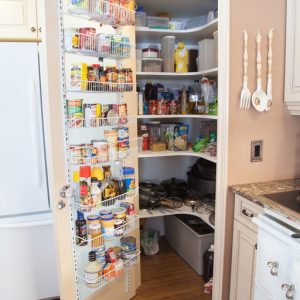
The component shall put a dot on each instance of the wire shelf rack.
(102, 45)
(102, 11)
(85, 86)
(112, 275)
(105, 203)
(119, 232)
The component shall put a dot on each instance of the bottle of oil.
(110, 189)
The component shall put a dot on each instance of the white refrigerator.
(27, 251)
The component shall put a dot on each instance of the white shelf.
(162, 211)
(167, 75)
(206, 117)
(190, 36)
(146, 154)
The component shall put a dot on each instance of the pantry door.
(53, 84)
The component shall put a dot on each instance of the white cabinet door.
(292, 62)
(243, 263)
(18, 20)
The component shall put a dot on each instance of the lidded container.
(167, 50)
(140, 17)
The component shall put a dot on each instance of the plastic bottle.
(96, 192)
(76, 187)
(208, 263)
(81, 229)
(184, 102)
(118, 177)
(92, 271)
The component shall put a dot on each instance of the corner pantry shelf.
(162, 211)
(168, 75)
(146, 154)
(208, 117)
(189, 36)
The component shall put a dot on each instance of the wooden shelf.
(162, 211)
(174, 76)
(206, 117)
(168, 153)
(190, 36)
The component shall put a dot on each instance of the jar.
(71, 38)
(122, 76)
(95, 235)
(106, 213)
(101, 147)
(201, 108)
(152, 107)
(87, 38)
(129, 176)
(92, 219)
(173, 107)
(111, 74)
(119, 213)
(193, 103)
(154, 132)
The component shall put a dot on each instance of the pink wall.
(279, 131)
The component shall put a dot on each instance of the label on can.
(74, 112)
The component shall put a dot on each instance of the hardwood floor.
(166, 276)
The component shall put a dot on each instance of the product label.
(81, 230)
(92, 278)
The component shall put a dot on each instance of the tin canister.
(163, 107)
(87, 38)
(92, 113)
(74, 113)
(101, 148)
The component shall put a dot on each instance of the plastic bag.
(149, 241)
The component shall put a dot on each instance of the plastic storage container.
(206, 55)
(167, 50)
(189, 244)
(158, 23)
(140, 18)
(152, 65)
(177, 25)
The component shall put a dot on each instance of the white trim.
(222, 165)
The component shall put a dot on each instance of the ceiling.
(178, 8)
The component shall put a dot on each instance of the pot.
(175, 187)
(150, 194)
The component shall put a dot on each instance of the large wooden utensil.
(259, 98)
(269, 81)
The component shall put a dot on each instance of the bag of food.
(149, 241)
(181, 133)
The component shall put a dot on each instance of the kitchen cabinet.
(244, 250)
(278, 258)
(292, 60)
(19, 20)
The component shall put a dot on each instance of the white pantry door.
(71, 287)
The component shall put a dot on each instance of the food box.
(79, 77)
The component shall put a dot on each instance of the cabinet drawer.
(245, 211)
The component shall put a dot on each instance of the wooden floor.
(166, 276)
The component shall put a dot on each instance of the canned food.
(163, 107)
(92, 113)
(74, 113)
(119, 226)
(101, 147)
(152, 107)
(87, 38)
(128, 245)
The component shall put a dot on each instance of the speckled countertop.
(254, 192)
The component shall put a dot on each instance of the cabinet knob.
(33, 29)
(274, 267)
(247, 214)
(289, 290)
(40, 29)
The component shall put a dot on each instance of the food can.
(92, 113)
(152, 107)
(71, 38)
(123, 147)
(129, 207)
(101, 147)
(163, 107)
(173, 107)
(119, 226)
(128, 245)
(92, 219)
(75, 154)
(111, 256)
(87, 38)
(74, 113)
(108, 228)
(123, 133)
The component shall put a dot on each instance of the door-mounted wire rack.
(102, 11)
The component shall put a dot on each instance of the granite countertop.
(254, 192)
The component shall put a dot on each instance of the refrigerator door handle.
(35, 133)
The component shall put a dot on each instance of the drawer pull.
(247, 214)
(289, 290)
(274, 267)
(295, 235)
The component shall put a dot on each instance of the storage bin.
(158, 23)
(152, 65)
(167, 52)
(206, 55)
(187, 243)
(140, 19)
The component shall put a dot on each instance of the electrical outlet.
(256, 150)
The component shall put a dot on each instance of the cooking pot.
(150, 194)
(175, 187)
